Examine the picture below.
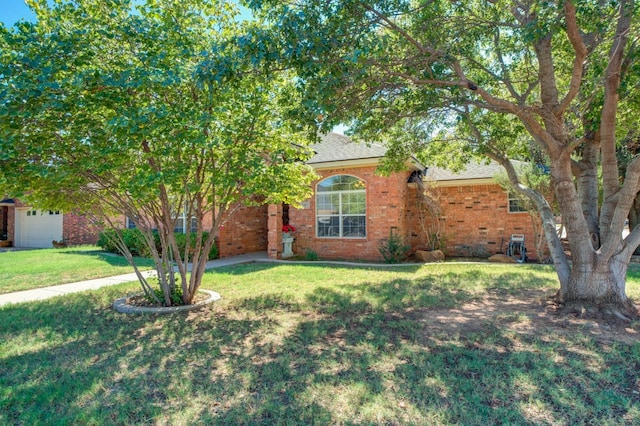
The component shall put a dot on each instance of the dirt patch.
(532, 312)
(141, 300)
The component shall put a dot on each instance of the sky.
(11, 11)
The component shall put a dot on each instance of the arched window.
(341, 207)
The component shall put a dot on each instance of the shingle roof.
(471, 171)
(337, 147)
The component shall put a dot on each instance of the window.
(515, 203)
(182, 222)
(341, 207)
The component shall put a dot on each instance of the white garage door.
(37, 228)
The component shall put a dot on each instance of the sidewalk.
(58, 290)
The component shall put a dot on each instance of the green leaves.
(104, 100)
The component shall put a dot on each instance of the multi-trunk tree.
(485, 77)
(102, 112)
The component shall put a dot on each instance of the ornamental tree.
(101, 111)
(484, 78)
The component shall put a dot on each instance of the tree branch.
(573, 34)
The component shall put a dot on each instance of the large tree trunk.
(600, 288)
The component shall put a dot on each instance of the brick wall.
(78, 229)
(475, 221)
(7, 213)
(244, 231)
(386, 209)
(11, 222)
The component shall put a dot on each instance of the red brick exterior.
(243, 231)
(78, 229)
(475, 221)
(8, 214)
(386, 211)
(275, 222)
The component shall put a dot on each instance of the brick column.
(275, 230)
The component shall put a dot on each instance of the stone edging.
(121, 306)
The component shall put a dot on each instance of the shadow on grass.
(110, 258)
(352, 355)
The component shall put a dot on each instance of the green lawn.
(292, 344)
(28, 269)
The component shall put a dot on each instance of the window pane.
(328, 226)
(340, 183)
(353, 203)
(515, 204)
(327, 204)
(354, 226)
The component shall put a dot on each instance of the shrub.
(181, 239)
(393, 249)
(137, 245)
(175, 296)
(106, 241)
(311, 255)
(134, 239)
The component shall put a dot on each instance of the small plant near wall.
(311, 255)
(393, 249)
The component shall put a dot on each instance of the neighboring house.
(25, 226)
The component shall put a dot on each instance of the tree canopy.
(102, 112)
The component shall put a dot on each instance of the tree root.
(618, 314)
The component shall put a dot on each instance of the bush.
(133, 239)
(311, 255)
(137, 245)
(106, 241)
(393, 249)
(181, 239)
(175, 296)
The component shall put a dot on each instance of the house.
(351, 211)
(24, 226)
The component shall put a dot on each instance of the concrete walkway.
(59, 290)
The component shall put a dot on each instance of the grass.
(312, 344)
(29, 269)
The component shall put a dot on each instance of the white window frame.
(340, 217)
(130, 223)
(181, 224)
(514, 201)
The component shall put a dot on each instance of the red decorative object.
(288, 228)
